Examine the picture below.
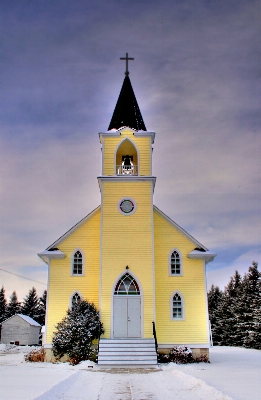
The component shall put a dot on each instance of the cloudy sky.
(197, 79)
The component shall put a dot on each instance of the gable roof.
(26, 318)
(127, 112)
(181, 230)
(73, 229)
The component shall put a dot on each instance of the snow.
(28, 319)
(234, 373)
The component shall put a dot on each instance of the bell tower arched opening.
(127, 159)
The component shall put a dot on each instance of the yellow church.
(145, 274)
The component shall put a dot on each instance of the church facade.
(137, 265)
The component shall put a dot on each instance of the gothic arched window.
(76, 298)
(177, 306)
(175, 263)
(77, 267)
(127, 285)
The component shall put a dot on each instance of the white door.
(126, 317)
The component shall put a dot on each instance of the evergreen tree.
(224, 332)
(30, 305)
(3, 305)
(42, 309)
(14, 306)
(251, 318)
(76, 332)
(214, 300)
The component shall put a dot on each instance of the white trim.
(117, 132)
(72, 262)
(153, 260)
(47, 299)
(73, 229)
(48, 255)
(206, 305)
(181, 230)
(116, 151)
(182, 305)
(134, 204)
(127, 178)
(100, 277)
(181, 262)
(70, 300)
(127, 271)
(191, 345)
(199, 255)
(48, 346)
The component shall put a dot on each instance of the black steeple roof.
(127, 112)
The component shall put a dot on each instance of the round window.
(127, 206)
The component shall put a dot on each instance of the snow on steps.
(127, 352)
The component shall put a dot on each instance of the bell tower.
(127, 227)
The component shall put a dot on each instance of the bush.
(36, 355)
(181, 355)
(75, 333)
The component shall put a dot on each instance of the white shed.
(21, 330)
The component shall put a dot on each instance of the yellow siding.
(193, 329)
(62, 284)
(110, 146)
(127, 240)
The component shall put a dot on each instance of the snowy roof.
(30, 320)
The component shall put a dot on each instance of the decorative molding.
(199, 255)
(132, 201)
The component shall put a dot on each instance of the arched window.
(126, 158)
(77, 267)
(76, 298)
(127, 286)
(177, 306)
(175, 263)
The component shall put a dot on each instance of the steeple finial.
(127, 59)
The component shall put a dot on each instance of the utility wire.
(20, 276)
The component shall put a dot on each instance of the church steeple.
(127, 112)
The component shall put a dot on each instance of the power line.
(24, 277)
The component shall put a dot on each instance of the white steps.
(127, 352)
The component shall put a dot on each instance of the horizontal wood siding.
(127, 241)
(191, 285)
(62, 284)
(16, 329)
(143, 144)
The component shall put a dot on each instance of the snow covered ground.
(233, 373)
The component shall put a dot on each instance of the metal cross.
(127, 59)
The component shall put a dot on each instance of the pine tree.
(42, 309)
(214, 300)
(14, 306)
(30, 305)
(224, 333)
(3, 304)
(75, 333)
(251, 316)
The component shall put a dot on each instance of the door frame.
(141, 301)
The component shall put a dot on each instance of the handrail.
(155, 335)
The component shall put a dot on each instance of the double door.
(126, 316)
